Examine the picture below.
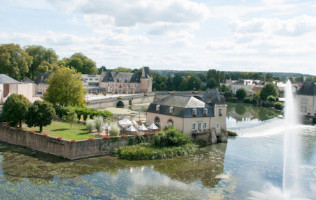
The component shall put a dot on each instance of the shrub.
(44, 134)
(90, 125)
(172, 137)
(278, 105)
(115, 130)
(123, 136)
(200, 142)
(241, 93)
(146, 133)
(98, 122)
(90, 138)
(247, 100)
(72, 141)
(106, 137)
(71, 117)
(32, 132)
(271, 98)
(58, 138)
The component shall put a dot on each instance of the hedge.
(82, 112)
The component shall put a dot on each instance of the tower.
(146, 81)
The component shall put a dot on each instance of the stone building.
(192, 116)
(126, 83)
(41, 83)
(306, 98)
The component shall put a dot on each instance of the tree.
(269, 77)
(71, 117)
(65, 88)
(267, 90)
(102, 68)
(241, 93)
(82, 64)
(14, 61)
(122, 69)
(194, 83)
(212, 83)
(40, 55)
(41, 113)
(15, 108)
(299, 79)
(176, 80)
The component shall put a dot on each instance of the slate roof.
(213, 97)
(27, 80)
(39, 79)
(182, 106)
(121, 77)
(146, 72)
(308, 88)
(4, 79)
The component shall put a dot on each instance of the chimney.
(42, 78)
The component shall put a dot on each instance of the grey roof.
(146, 72)
(308, 88)
(4, 79)
(213, 97)
(121, 77)
(27, 80)
(39, 78)
(182, 106)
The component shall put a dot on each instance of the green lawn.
(62, 129)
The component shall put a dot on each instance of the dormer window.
(157, 108)
(194, 112)
(170, 110)
(220, 112)
(205, 111)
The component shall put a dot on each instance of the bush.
(271, 98)
(172, 137)
(247, 100)
(115, 130)
(90, 125)
(241, 93)
(84, 112)
(98, 122)
(146, 151)
(200, 142)
(278, 105)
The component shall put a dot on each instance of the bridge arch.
(120, 104)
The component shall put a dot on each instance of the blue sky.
(237, 35)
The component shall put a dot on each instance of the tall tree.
(65, 88)
(40, 56)
(269, 77)
(15, 108)
(102, 68)
(241, 93)
(176, 80)
(41, 113)
(212, 83)
(82, 64)
(14, 61)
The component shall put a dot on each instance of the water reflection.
(192, 177)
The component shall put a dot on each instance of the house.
(90, 80)
(125, 82)
(191, 115)
(9, 86)
(41, 83)
(306, 98)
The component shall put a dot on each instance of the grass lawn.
(62, 129)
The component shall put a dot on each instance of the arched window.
(170, 123)
(157, 121)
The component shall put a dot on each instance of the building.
(191, 115)
(306, 98)
(251, 86)
(9, 86)
(90, 80)
(41, 83)
(125, 82)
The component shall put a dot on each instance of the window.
(199, 126)
(193, 126)
(304, 101)
(170, 123)
(204, 126)
(220, 112)
(170, 110)
(194, 111)
(205, 111)
(157, 121)
(157, 108)
(217, 126)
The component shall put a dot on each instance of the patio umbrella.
(125, 122)
(132, 129)
(153, 127)
(143, 128)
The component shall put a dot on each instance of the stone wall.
(62, 148)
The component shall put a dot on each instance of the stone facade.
(306, 98)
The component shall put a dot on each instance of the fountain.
(291, 187)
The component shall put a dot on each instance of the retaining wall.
(62, 148)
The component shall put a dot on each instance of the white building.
(306, 98)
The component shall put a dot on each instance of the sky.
(230, 35)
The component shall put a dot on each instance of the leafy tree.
(224, 88)
(14, 61)
(184, 84)
(40, 56)
(82, 64)
(176, 80)
(311, 79)
(71, 117)
(14, 109)
(241, 93)
(41, 113)
(65, 88)
(122, 69)
(267, 90)
(194, 83)
(101, 68)
(212, 83)
(299, 79)
(269, 77)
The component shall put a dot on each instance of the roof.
(121, 77)
(308, 88)
(146, 73)
(27, 80)
(213, 97)
(39, 78)
(182, 106)
(4, 79)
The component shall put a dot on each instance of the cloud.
(129, 13)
